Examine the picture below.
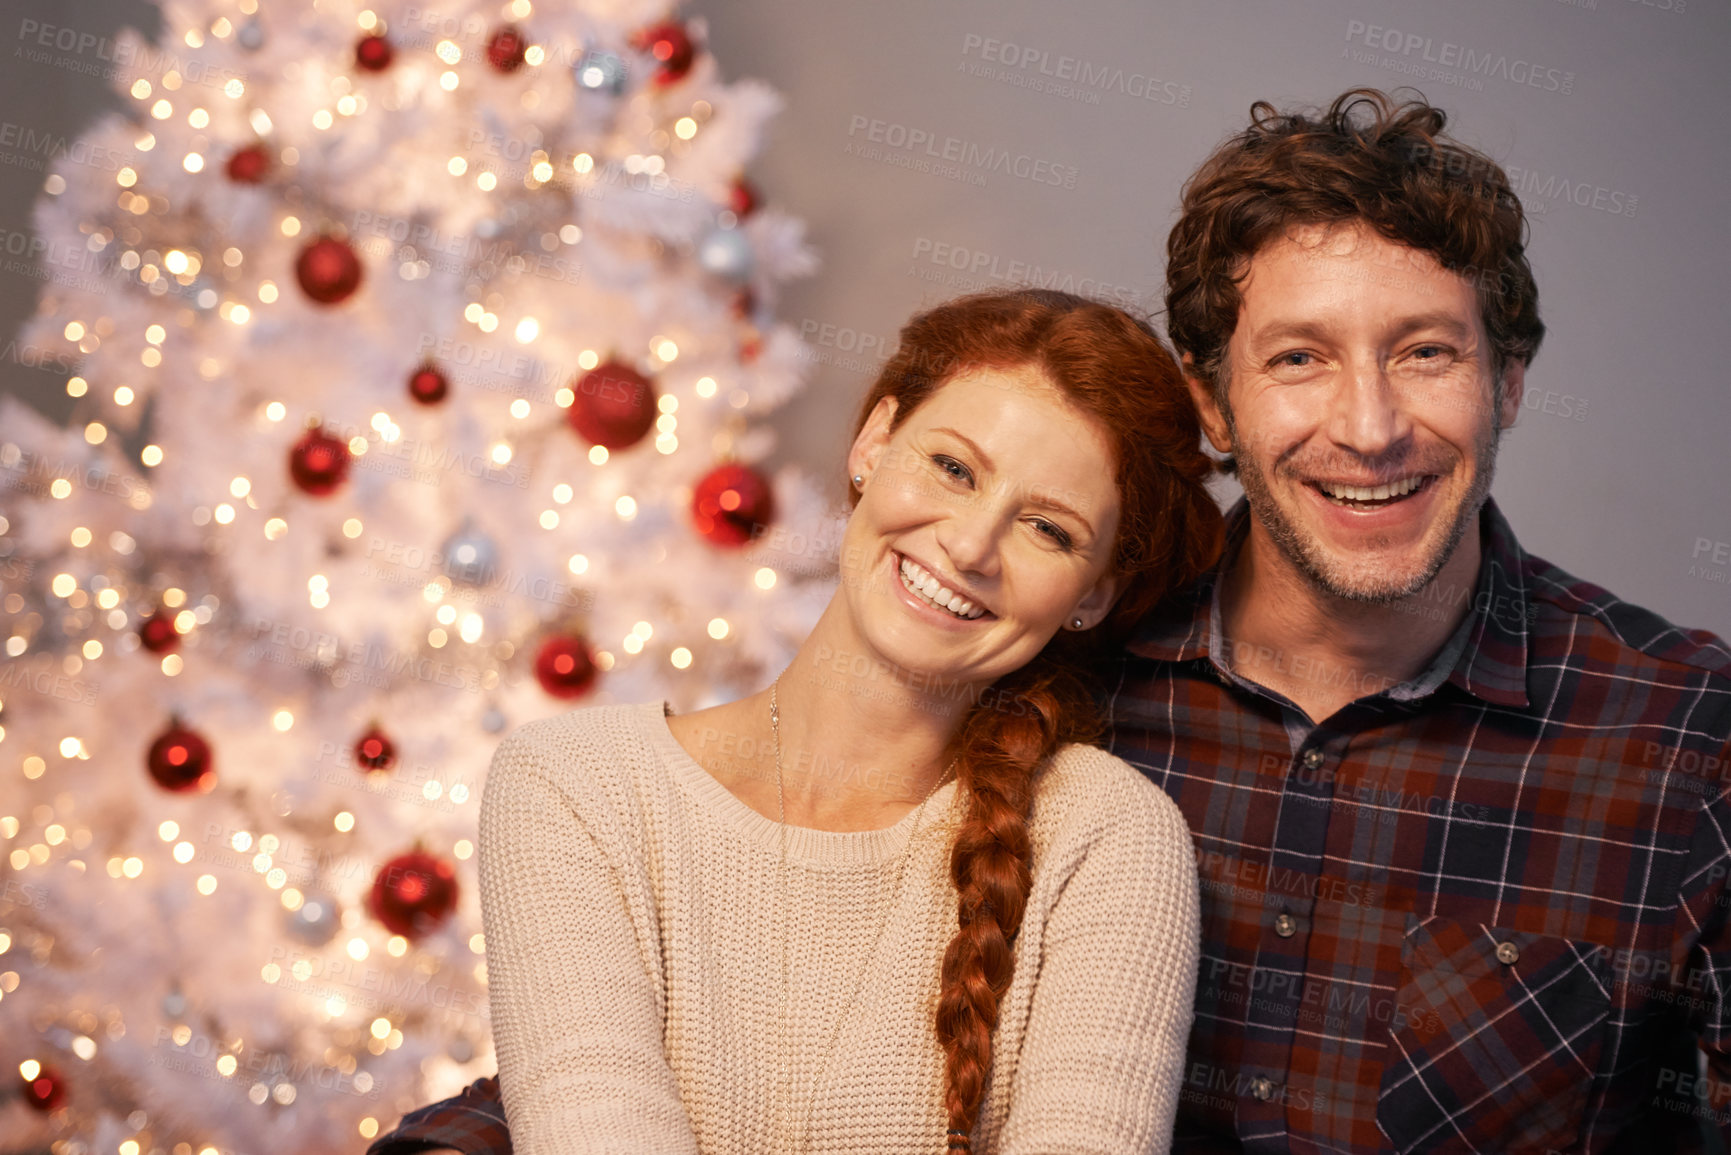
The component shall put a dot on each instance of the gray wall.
(1628, 471)
(1620, 470)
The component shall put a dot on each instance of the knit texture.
(634, 947)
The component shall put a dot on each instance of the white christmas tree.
(418, 358)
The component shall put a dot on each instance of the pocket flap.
(1519, 1021)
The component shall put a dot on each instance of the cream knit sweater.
(634, 958)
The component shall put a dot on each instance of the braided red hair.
(1116, 369)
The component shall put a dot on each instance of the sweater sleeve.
(576, 1004)
(1103, 1058)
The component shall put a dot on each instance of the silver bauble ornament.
(317, 920)
(600, 72)
(469, 556)
(250, 35)
(726, 253)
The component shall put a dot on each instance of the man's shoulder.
(1593, 625)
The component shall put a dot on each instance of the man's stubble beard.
(1309, 559)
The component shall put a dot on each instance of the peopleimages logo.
(1069, 76)
(1464, 60)
(28, 147)
(942, 262)
(869, 137)
(1540, 190)
(38, 42)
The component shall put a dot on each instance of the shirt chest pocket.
(1499, 1043)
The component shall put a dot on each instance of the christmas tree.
(419, 363)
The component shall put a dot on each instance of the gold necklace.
(803, 1135)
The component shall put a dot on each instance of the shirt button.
(1508, 952)
(1313, 758)
(1285, 925)
(1262, 1088)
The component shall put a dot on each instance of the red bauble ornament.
(614, 405)
(731, 504)
(328, 270)
(375, 751)
(428, 385)
(180, 760)
(46, 1091)
(672, 49)
(373, 53)
(506, 49)
(413, 894)
(742, 198)
(564, 668)
(750, 347)
(319, 462)
(248, 165)
(157, 633)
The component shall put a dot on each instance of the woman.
(894, 901)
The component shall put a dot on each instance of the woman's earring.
(858, 481)
(1076, 623)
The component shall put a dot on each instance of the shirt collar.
(1486, 656)
(1493, 665)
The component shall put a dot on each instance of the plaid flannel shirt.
(1483, 910)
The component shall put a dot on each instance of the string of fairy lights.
(103, 598)
(185, 265)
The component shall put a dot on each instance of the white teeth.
(961, 606)
(932, 590)
(1371, 493)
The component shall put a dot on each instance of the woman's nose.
(971, 538)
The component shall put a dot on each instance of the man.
(1462, 820)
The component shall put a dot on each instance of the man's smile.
(1369, 497)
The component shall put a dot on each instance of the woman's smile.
(931, 591)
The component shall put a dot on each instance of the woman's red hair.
(1114, 368)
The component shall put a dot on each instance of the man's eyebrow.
(1033, 498)
(1314, 331)
(1281, 330)
(1447, 322)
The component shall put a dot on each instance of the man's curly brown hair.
(1367, 158)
